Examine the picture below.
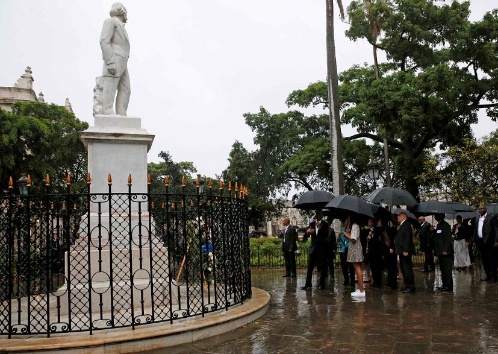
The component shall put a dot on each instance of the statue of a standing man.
(115, 52)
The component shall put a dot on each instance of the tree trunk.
(334, 117)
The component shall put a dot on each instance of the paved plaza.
(329, 321)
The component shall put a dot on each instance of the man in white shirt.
(485, 238)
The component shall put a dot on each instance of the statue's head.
(118, 10)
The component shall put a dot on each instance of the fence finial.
(129, 180)
(88, 178)
(109, 179)
(68, 179)
(47, 180)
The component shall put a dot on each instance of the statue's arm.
(105, 41)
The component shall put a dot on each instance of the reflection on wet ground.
(386, 321)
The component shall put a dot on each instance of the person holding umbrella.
(404, 249)
(319, 230)
(443, 249)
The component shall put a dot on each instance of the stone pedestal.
(117, 146)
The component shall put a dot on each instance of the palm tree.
(333, 91)
(375, 27)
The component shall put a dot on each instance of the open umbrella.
(313, 200)
(380, 212)
(398, 211)
(492, 208)
(431, 207)
(391, 196)
(345, 204)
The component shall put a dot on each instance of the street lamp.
(373, 170)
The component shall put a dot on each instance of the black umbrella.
(345, 204)
(464, 214)
(313, 200)
(398, 211)
(431, 207)
(380, 212)
(492, 208)
(392, 196)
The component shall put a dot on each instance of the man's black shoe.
(408, 290)
(444, 288)
(485, 279)
(306, 287)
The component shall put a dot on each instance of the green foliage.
(41, 139)
(175, 171)
(467, 173)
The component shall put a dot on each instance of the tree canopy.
(439, 71)
(40, 139)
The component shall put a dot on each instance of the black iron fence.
(88, 262)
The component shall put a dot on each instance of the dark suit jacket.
(426, 241)
(489, 233)
(289, 243)
(443, 240)
(404, 239)
(318, 241)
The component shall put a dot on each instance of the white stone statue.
(115, 81)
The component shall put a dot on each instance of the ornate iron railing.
(89, 262)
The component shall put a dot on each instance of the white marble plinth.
(117, 146)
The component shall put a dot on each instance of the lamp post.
(373, 170)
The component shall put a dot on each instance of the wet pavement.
(388, 321)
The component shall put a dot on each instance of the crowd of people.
(370, 247)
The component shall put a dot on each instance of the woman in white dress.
(355, 253)
(461, 244)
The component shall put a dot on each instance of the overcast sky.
(195, 65)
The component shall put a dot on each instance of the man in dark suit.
(443, 249)
(318, 229)
(404, 249)
(486, 239)
(426, 245)
(289, 247)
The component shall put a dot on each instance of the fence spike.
(68, 179)
(129, 180)
(166, 181)
(88, 178)
(11, 183)
(47, 180)
(109, 179)
(149, 180)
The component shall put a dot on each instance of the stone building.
(22, 91)
(296, 216)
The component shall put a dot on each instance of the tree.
(467, 173)
(243, 168)
(175, 171)
(440, 71)
(40, 139)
